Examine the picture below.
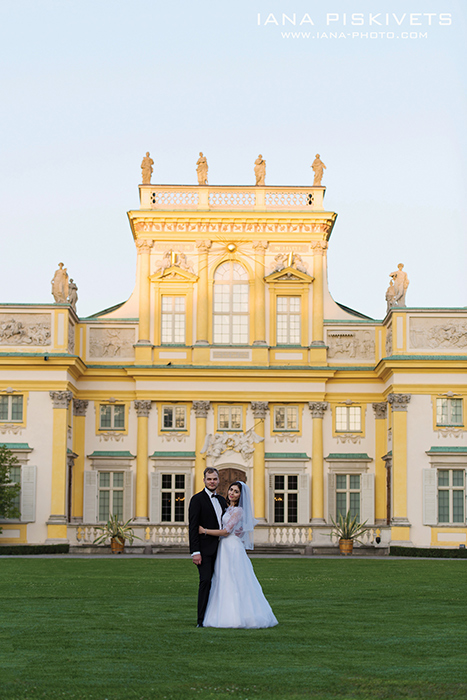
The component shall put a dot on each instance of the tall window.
(11, 408)
(286, 418)
(173, 498)
(229, 418)
(348, 493)
(286, 498)
(451, 495)
(110, 495)
(288, 315)
(15, 476)
(230, 316)
(449, 412)
(348, 419)
(173, 417)
(173, 319)
(112, 417)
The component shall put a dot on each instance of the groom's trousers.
(206, 570)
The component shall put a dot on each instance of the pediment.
(289, 274)
(174, 274)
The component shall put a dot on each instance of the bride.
(236, 598)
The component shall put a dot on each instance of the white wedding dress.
(236, 598)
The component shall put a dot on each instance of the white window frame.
(286, 409)
(174, 316)
(446, 461)
(439, 413)
(155, 489)
(174, 408)
(173, 491)
(450, 488)
(91, 485)
(285, 338)
(10, 398)
(111, 489)
(112, 407)
(289, 468)
(229, 409)
(231, 315)
(347, 411)
(348, 490)
(286, 492)
(367, 486)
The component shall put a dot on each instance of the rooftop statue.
(60, 285)
(72, 294)
(401, 282)
(390, 295)
(146, 168)
(318, 169)
(260, 170)
(202, 169)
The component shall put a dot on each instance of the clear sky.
(89, 85)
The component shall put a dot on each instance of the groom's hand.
(197, 559)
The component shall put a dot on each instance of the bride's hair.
(235, 483)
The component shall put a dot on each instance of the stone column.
(202, 316)
(319, 252)
(142, 411)
(260, 303)
(259, 410)
(317, 409)
(400, 523)
(79, 422)
(201, 409)
(144, 249)
(381, 432)
(57, 522)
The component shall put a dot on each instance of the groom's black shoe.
(200, 624)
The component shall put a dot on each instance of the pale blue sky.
(89, 85)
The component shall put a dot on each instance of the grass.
(111, 629)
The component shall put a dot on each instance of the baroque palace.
(231, 352)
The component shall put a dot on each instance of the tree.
(8, 489)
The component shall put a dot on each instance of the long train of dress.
(236, 598)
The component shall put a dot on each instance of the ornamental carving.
(12, 428)
(143, 246)
(243, 443)
(319, 247)
(450, 432)
(389, 340)
(429, 333)
(110, 437)
(173, 259)
(25, 329)
(71, 338)
(380, 410)
(349, 344)
(353, 438)
(80, 407)
(318, 408)
(399, 402)
(111, 342)
(230, 227)
(142, 408)
(288, 260)
(286, 437)
(203, 246)
(259, 409)
(60, 399)
(201, 408)
(174, 437)
(260, 247)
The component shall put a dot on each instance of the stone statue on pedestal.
(318, 169)
(401, 282)
(202, 169)
(60, 285)
(260, 170)
(146, 169)
(72, 294)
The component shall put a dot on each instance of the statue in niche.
(60, 285)
(318, 168)
(72, 294)
(260, 170)
(146, 168)
(390, 292)
(401, 282)
(202, 169)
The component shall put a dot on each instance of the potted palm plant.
(347, 529)
(118, 532)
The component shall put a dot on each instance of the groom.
(206, 509)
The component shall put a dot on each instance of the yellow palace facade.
(231, 352)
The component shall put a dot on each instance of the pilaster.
(57, 522)
(381, 434)
(260, 290)
(202, 303)
(201, 409)
(317, 409)
(142, 411)
(143, 348)
(400, 523)
(319, 253)
(259, 410)
(79, 423)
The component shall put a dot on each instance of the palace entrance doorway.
(227, 476)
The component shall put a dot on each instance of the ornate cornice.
(142, 408)
(399, 402)
(318, 408)
(381, 410)
(201, 408)
(259, 408)
(233, 226)
(61, 399)
(80, 407)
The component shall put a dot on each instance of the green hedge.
(425, 552)
(9, 549)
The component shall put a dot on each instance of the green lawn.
(118, 629)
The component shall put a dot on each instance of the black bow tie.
(214, 495)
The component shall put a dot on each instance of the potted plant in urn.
(347, 529)
(118, 532)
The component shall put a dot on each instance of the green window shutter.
(331, 496)
(271, 499)
(128, 495)
(155, 497)
(90, 497)
(368, 499)
(303, 500)
(429, 497)
(28, 494)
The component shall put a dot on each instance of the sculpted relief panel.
(25, 329)
(430, 333)
(111, 342)
(351, 344)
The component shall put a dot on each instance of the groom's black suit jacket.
(201, 512)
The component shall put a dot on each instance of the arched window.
(230, 314)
